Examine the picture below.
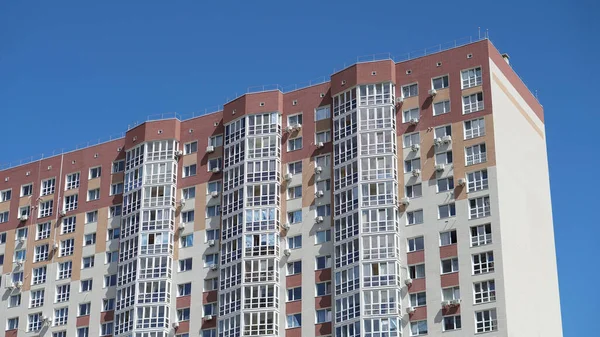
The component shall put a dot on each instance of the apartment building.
(398, 199)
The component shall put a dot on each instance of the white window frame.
(473, 103)
(476, 128)
(471, 77)
(95, 172)
(445, 84)
(483, 263)
(408, 89)
(445, 107)
(484, 291)
(480, 235)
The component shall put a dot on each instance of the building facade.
(397, 199)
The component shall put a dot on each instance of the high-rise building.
(397, 199)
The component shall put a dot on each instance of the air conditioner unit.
(439, 167)
(19, 284)
(433, 92)
(208, 317)
(318, 169)
(62, 213)
(408, 281)
(462, 181)
(437, 142)
(55, 246)
(20, 263)
(415, 147)
(288, 176)
(399, 99)
(319, 194)
(320, 145)
(416, 172)
(297, 127)
(289, 128)
(211, 243)
(8, 283)
(214, 194)
(22, 239)
(24, 217)
(319, 219)
(178, 153)
(210, 149)
(175, 325)
(455, 302)
(182, 202)
(287, 252)
(45, 319)
(404, 201)
(447, 139)
(410, 310)
(181, 226)
(286, 226)
(216, 170)
(414, 121)
(214, 266)
(445, 304)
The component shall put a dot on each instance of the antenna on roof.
(487, 33)
(479, 32)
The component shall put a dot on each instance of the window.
(185, 264)
(416, 271)
(412, 164)
(215, 163)
(43, 231)
(475, 154)
(483, 263)
(414, 191)
(471, 77)
(63, 292)
(445, 184)
(186, 241)
(294, 267)
(212, 186)
(477, 181)
(190, 148)
(37, 298)
(4, 217)
(205, 333)
(116, 189)
(210, 309)
(294, 321)
(95, 172)
(89, 239)
(187, 216)
(24, 211)
(295, 242)
(86, 285)
(113, 233)
(72, 181)
(440, 82)
(409, 115)
(294, 192)
(189, 171)
(323, 161)
(418, 299)
(5, 195)
(323, 262)
(87, 262)
(190, 192)
(118, 166)
(441, 108)
(473, 103)
(34, 322)
(294, 144)
(414, 217)
(216, 141)
(295, 120)
(474, 128)
(183, 314)
(67, 247)
(184, 289)
(41, 253)
(20, 255)
(60, 316)
(112, 257)
(323, 236)
(449, 294)
(323, 185)
(486, 320)
(484, 291)
(295, 217)
(451, 323)
(418, 328)
(294, 294)
(323, 137)
(323, 315)
(65, 270)
(210, 259)
(68, 225)
(481, 235)
(91, 217)
(322, 113)
(211, 284)
(295, 168)
(71, 202)
(83, 332)
(106, 329)
(12, 323)
(39, 275)
(2, 237)
(450, 265)
(410, 90)
(14, 301)
(213, 211)
(62, 333)
(323, 288)
(26, 190)
(448, 238)
(479, 207)
(324, 210)
(108, 304)
(212, 234)
(447, 211)
(48, 186)
(411, 139)
(416, 244)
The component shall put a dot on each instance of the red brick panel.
(453, 310)
(323, 329)
(293, 307)
(449, 280)
(419, 314)
(183, 327)
(323, 302)
(415, 257)
(448, 251)
(83, 321)
(323, 275)
(417, 285)
(209, 324)
(210, 296)
(107, 316)
(293, 281)
(295, 332)
(185, 301)
(11, 333)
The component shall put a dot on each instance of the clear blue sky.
(75, 71)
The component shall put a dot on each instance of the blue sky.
(65, 65)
